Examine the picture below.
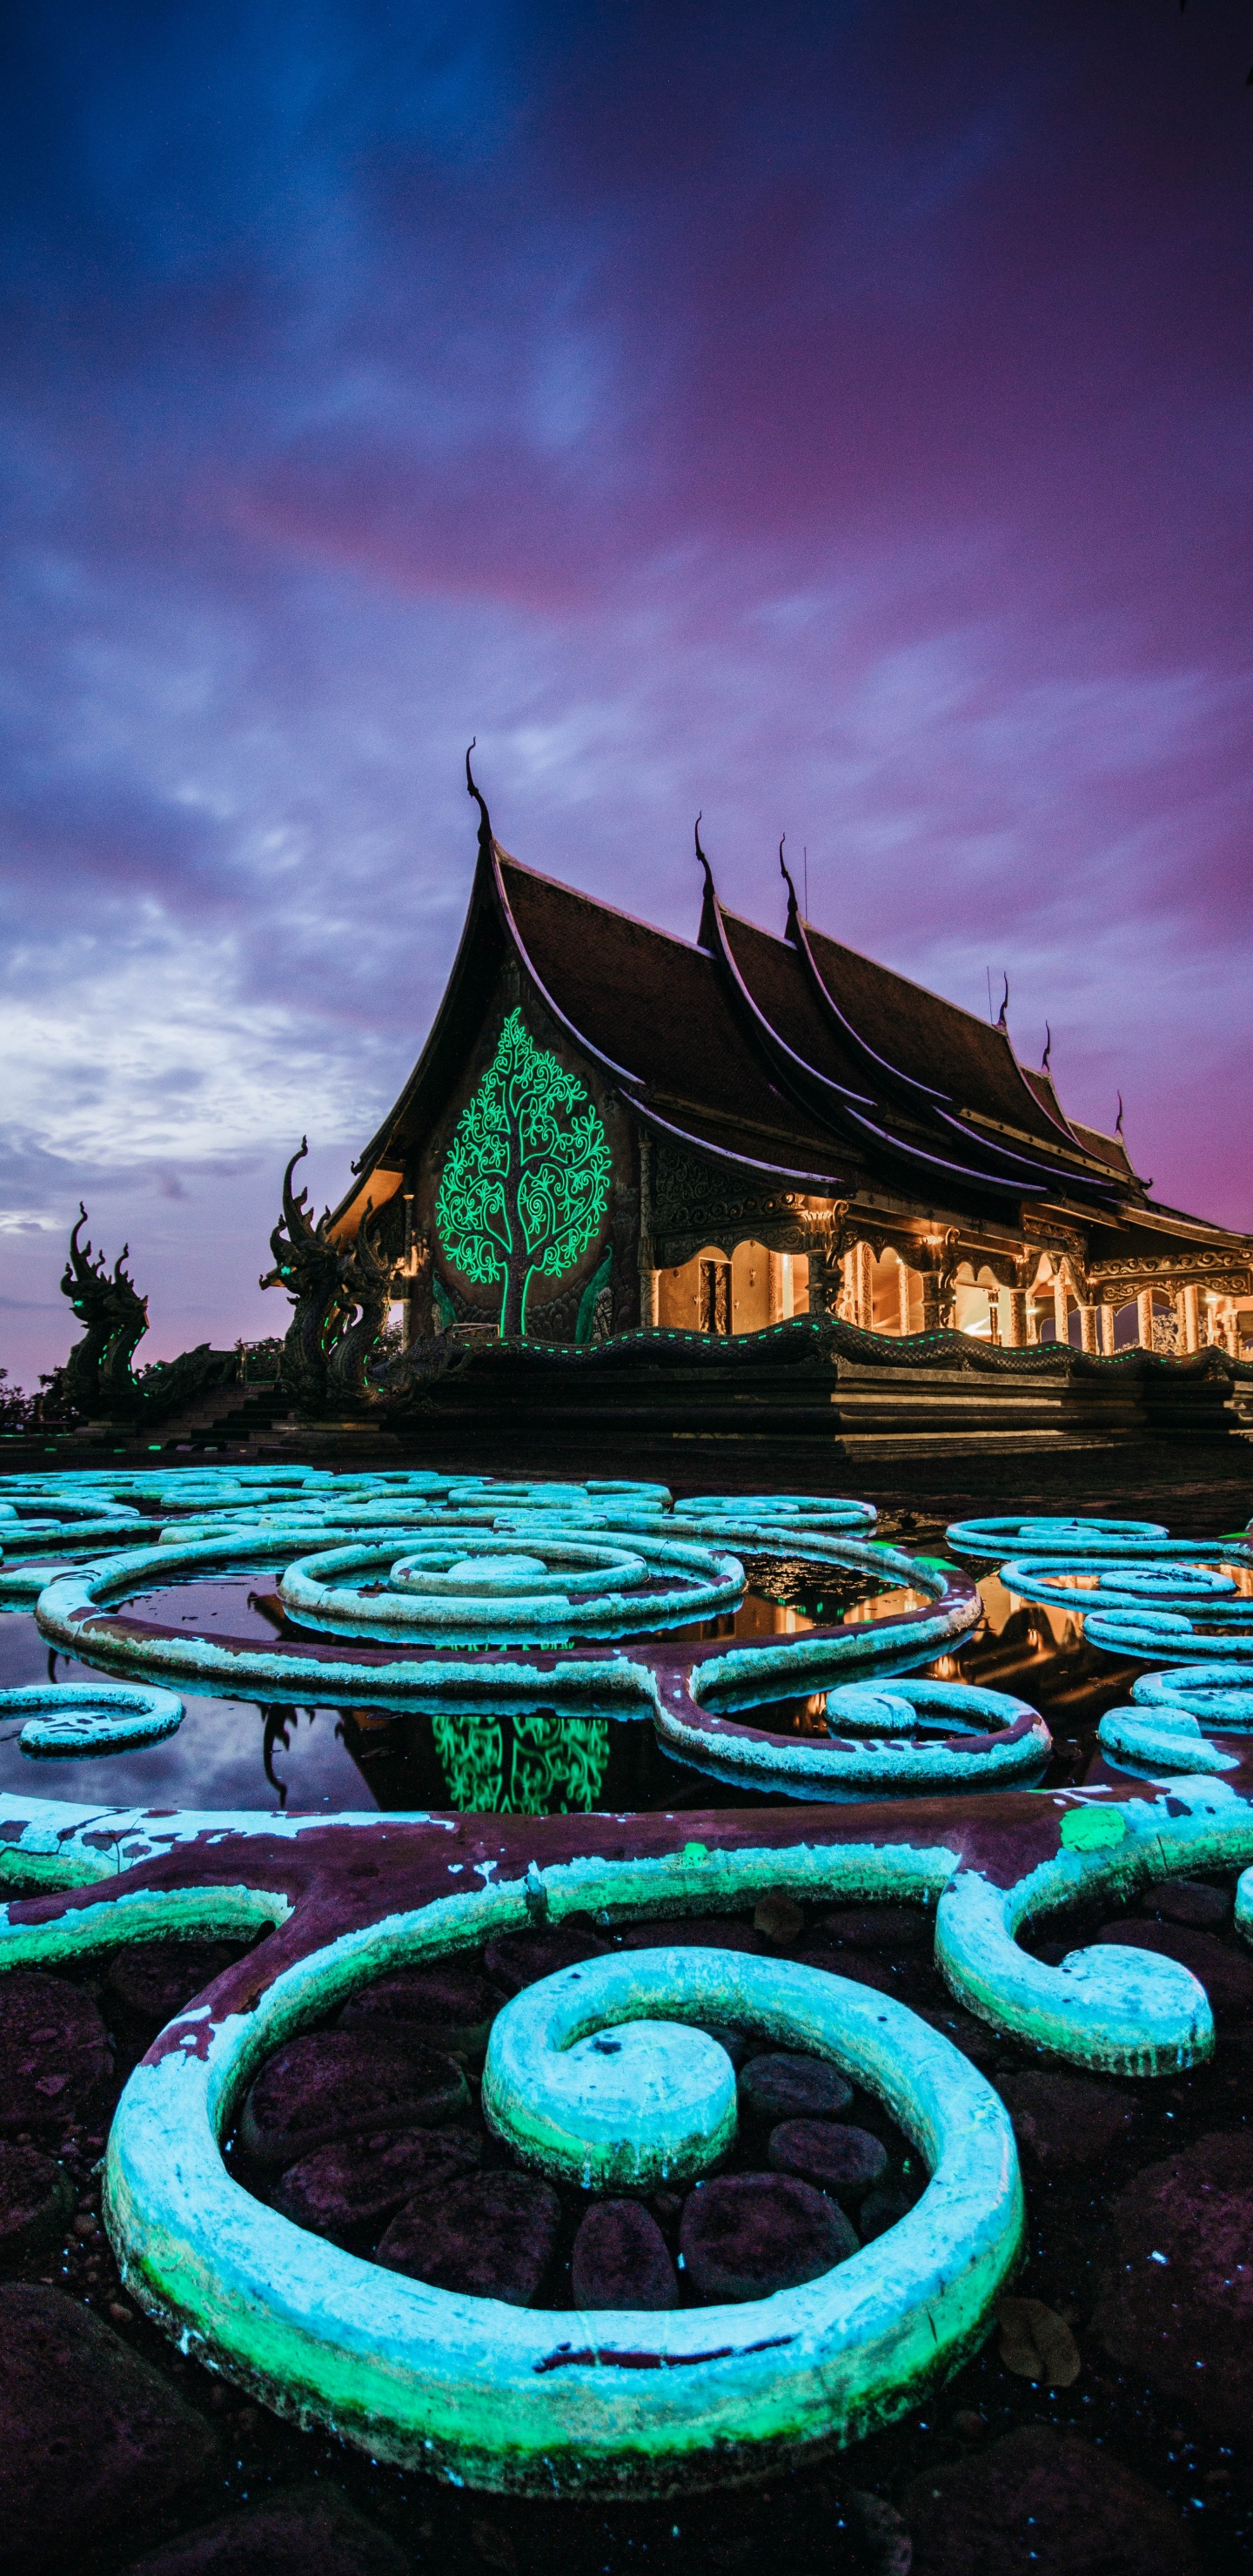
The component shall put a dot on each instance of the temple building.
(611, 1128)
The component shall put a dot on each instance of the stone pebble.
(348, 2190)
(622, 2260)
(1192, 1901)
(517, 1959)
(1226, 1977)
(694, 1932)
(491, 2236)
(881, 2209)
(153, 1980)
(1177, 2305)
(303, 2532)
(1066, 2121)
(336, 2083)
(450, 2006)
(92, 2438)
(744, 2236)
(879, 1927)
(36, 2199)
(55, 2059)
(782, 2085)
(839, 2159)
(1043, 2503)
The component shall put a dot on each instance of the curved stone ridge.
(686, 1574)
(90, 1717)
(1162, 1739)
(986, 1739)
(1063, 1534)
(647, 2402)
(519, 1587)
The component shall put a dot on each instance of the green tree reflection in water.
(538, 1764)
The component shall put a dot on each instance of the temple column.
(1061, 1308)
(1016, 1318)
(1108, 1344)
(775, 1276)
(863, 1286)
(1088, 1327)
(1144, 1318)
(904, 1289)
(1189, 1322)
(930, 1301)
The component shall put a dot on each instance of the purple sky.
(838, 418)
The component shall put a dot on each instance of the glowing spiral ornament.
(1147, 1741)
(518, 1587)
(541, 2401)
(73, 1718)
(1220, 1695)
(986, 1740)
(1058, 1534)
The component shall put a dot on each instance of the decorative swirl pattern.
(546, 2402)
(90, 1717)
(486, 1590)
(801, 1511)
(1058, 1534)
(1162, 1740)
(1220, 1695)
(988, 1740)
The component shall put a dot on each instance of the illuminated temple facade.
(611, 1128)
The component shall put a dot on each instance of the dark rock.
(746, 2235)
(843, 2160)
(1183, 2322)
(36, 2198)
(779, 1916)
(348, 2191)
(911, 1980)
(337, 2083)
(1226, 1977)
(1190, 1901)
(695, 1932)
(519, 1958)
(881, 2209)
(621, 2260)
(152, 1980)
(90, 2436)
(1066, 2120)
(1041, 2503)
(305, 2532)
(491, 2236)
(781, 2086)
(55, 2060)
(880, 1927)
(448, 2006)
(975, 2038)
(737, 2046)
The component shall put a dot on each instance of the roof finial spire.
(485, 820)
(793, 907)
(707, 935)
(1002, 1017)
(1048, 1048)
(1118, 1120)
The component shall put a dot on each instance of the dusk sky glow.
(836, 418)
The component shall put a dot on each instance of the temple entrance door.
(715, 1296)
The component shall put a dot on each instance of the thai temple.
(610, 1127)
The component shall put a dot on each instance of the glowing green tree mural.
(526, 1180)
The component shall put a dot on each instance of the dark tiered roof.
(796, 1056)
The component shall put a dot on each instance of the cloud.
(834, 420)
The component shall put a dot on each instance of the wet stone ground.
(1102, 2430)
